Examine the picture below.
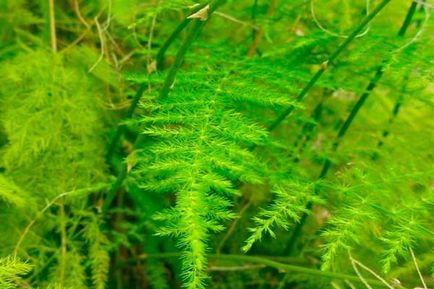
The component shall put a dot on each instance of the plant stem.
(306, 133)
(257, 34)
(139, 93)
(274, 264)
(398, 103)
(327, 63)
(395, 111)
(343, 130)
(233, 226)
(62, 261)
(52, 26)
(162, 51)
(128, 114)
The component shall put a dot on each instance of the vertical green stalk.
(395, 111)
(398, 103)
(306, 132)
(343, 130)
(52, 25)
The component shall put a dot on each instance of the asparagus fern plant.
(220, 144)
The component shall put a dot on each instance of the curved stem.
(274, 264)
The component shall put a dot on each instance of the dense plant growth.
(221, 144)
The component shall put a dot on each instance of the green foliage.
(157, 140)
(288, 204)
(199, 147)
(59, 124)
(98, 252)
(10, 271)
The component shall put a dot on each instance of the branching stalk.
(330, 61)
(51, 9)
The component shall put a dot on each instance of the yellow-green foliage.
(10, 271)
(51, 115)
(221, 144)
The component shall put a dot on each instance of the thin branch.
(159, 62)
(270, 263)
(102, 44)
(236, 20)
(321, 27)
(327, 63)
(355, 262)
(258, 33)
(52, 26)
(63, 238)
(231, 229)
(95, 188)
(79, 16)
(360, 275)
(417, 269)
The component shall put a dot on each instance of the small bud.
(202, 14)
(396, 283)
(152, 66)
(325, 64)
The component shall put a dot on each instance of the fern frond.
(11, 193)
(201, 150)
(59, 135)
(10, 271)
(289, 203)
(98, 252)
(404, 235)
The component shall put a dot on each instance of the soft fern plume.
(411, 228)
(10, 271)
(345, 229)
(366, 216)
(56, 145)
(11, 193)
(74, 270)
(98, 251)
(201, 148)
(289, 203)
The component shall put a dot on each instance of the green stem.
(395, 111)
(343, 130)
(122, 127)
(306, 132)
(160, 55)
(397, 106)
(277, 265)
(326, 64)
